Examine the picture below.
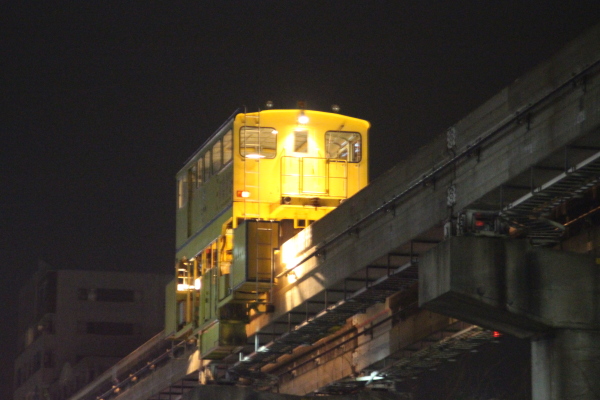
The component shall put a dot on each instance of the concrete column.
(530, 292)
(566, 366)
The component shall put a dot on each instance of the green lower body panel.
(221, 338)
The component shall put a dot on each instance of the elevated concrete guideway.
(533, 131)
(524, 153)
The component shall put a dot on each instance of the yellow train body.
(257, 181)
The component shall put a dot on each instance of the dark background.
(103, 101)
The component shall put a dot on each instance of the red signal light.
(497, 334)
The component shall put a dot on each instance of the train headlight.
(303, 118)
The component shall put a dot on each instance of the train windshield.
(301, 141)
(343, 146)
(258, 142)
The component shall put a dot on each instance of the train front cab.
(276, 171)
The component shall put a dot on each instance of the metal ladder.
(252, 174)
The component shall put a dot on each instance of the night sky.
(103, 102)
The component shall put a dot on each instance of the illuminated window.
(194, 176)
(200, 170)
(217, 154)
(343, 146)
(182, 191)
(227, 147)
(301, 141)
(207, 165)
(257, 142)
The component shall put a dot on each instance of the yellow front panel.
(293, 162)
(290, 176)
(338, 179)
(314, 176)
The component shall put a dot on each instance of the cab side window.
(343, 146)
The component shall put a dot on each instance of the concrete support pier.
(550, 296)
(566, 365)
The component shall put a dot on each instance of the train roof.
(234, 115)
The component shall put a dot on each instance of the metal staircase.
(531, 210)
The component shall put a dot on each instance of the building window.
(108, 295)
(258, 142)
(109, 328)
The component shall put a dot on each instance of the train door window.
(343, 146)
(182, 191)
(217, 154)
(207, 165)
(208, 261)
(200, 169)
(227, 147)
(301, 141)
(198, 264)
(194, 176)
(258, 142)
(215, 254)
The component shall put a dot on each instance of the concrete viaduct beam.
(553, 297)
(240, 393)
